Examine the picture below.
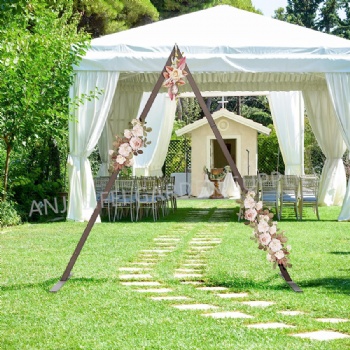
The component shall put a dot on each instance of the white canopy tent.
(226, 49)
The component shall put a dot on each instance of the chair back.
(309, 188)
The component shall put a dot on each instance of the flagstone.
(195, 264)
(134, 269)
(186, 270)
(291, 313)
(258, 303)
(228, 314)
(135, 276)
(232, 295)
(187, 275)
(195, 307)
(332, 320)
(141, 283)
(272, 325)
(192, 282)
(153, 290)
(171, 298)
(202, 247)
(212, 288)
(322, 335)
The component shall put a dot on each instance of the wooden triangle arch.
(174, 53)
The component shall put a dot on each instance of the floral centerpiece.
(216, 175)
(129, 145)
(265, 231)
(174, 75)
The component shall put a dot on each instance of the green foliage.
(269, 159)
(8, 214)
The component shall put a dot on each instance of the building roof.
(223, 112)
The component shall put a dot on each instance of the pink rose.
(249, 202)
(270, 258)
(125, 149)
(264, 239)
(275, 245)
(259, 205)
(250, 214)
(273, 229)
(263, 226)
(135, 143)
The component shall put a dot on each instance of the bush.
(8, 214)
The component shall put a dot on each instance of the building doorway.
(218, 159)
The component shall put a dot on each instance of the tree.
(173, 8)
(39, 47)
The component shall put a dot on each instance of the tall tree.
(38, 49)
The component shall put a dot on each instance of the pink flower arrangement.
(265, 231)
(174, 75)
(128, 146)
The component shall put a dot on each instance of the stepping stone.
(273, 325)
(143, 263)
(259, 303)
(186, 270)
(202, 247)
(170, 239)
(232, 295)
(322, 335)
(192, 282)
(135, 276)
(212, 288)
(332, 320)
(171, 298)
(156, 251)
(228, 314)
(154, 290)
(195, 264)
(216, 240)
(187, 275)
(141, 283)
(134, 269)
(165, 245)
(291, 313)
(195, 307)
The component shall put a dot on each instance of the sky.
(268, 7)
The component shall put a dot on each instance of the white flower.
(249, 202)
(250, 214)
(289, 247)
(259, 205)
(275, 245)
(273, 229)
(270, 258)
(120, 159)
(128, 133)
(279, 255)
(135, 143)
(263, 226)
(125, 149)
(264, 239)
(137, 130)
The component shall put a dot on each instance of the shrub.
(8, 214)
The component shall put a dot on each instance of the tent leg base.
(288, 279)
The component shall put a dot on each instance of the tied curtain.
(161, 119)
(287, 109)
(85, 128)
(324, 124)
(339, 91)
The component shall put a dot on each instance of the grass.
(95, 311)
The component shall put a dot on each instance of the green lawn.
(95, 311)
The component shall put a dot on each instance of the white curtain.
(161, 119)
(323, 121)
(124, 108)
(339, 90)
(85, 129)
(287, 109)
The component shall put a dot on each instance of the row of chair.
(278, 191)
(137, 197)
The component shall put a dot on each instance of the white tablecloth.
(228, 188)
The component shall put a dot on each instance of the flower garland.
(128, 146)
(266, 232)
(173, 76)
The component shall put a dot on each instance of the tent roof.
(220, 39)
(223, 112)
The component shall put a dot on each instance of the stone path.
(139, 275)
